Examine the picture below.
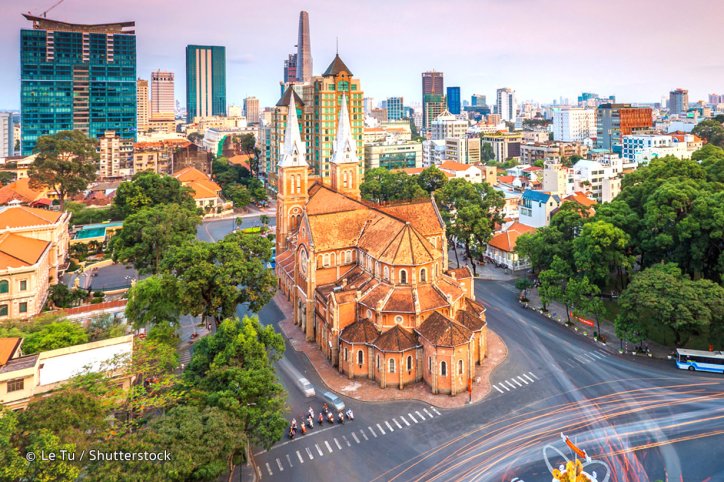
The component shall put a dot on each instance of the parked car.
(334, 401)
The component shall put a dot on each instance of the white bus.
(697, 360)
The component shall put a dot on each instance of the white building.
(643, 148)
(506, 104)
(433, 152)
(468, 172)
(574, 125)
(162, 93)
(115, 155)
(447, 125)
(536, 207)
(557, 179)
(7, 141)
(601, 182)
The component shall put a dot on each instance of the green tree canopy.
(148, 189)
(66, 162)
(431, 179)
(153, 302)
(381, 185)
(213, 278)
(601, 250)
(149, 233)
(51, 336)
(711, 130)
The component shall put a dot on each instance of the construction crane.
(45, 14)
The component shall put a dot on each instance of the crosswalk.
(516, 382)
(334, 442)
(586, 358)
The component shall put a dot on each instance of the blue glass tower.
(453, 100)
(395, 108)
(205, 81)
(80, 77)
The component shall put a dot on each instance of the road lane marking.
(319, 450)
(498, 389)
(516, 382)
(397, 423)
(504, 386)
(435, 410)
(329, 447)
(413, 418)
(420, 415)
(381, 429)
(268, 468)
(528, 378)
(389, 426)
(425, 410)
(309, 452)
(347, 441)
(279, 464)
(301, 460)
(372, 432)
(354, 436)
(510, 384)
(523, 380)
(363, 434)
(533, 375)
(404, 420)
(337, 442)
(289, 460)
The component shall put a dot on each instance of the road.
(642, 419)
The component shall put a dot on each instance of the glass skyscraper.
(395, 108)
(80, 77)
(453, 100)
(205, 81)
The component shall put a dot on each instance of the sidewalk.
(485, 271)
(368, 390)
(557, 312)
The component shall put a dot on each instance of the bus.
(697, 360)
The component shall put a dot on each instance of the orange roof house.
(363, 278)
(501, 247)
(205, 192)
(20, 190)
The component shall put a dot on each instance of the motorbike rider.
(330, 417)
(321, 418)
(350, 414)
(340, 416)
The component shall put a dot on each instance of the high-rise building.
(205, 81)
(574, 124)
(395, 108)
(162, 92)
(251, 110)
(290, 68)
(323, 102)
(613, 121)
(453, 100)
(506, 104)
(678, 101)
(433, 87)
(79, 77)
(447, 125)
(142, 105)
(7, 141)
(478, 100)
(304, 49)
(369, 104)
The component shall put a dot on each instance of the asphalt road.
(639, 419)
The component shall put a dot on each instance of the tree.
(523, 284)
(381, 185)
(470, 212)
(247, 143)
(233, 370)
(54, 335)
(541, 246)
(60, 294)
(578, 293)
(12, 464)
(601, 250)
(148, 189)
(711, 131)
(487, 153)
(431, 179)
(662, 295)
(66, 162)
(40, 470)
(7, 177)
(153, 302)
(149, 233)
(213, 278)
(237, 194)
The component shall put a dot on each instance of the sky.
(638, 50)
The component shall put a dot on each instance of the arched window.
(345, 177)
(386, 272)
(403, 277)
(348, 257)
(423, 275)
(333, 257)
(4, 286)
(443, 369)
(360, 357)
(392, 365)
(409, 363)
(460, 367)
(325, 260)
(299, 183)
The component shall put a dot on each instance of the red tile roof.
(396, 339)
(442, 331)
(506, 240)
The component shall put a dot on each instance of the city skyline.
(528, 53)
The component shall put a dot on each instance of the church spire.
(294, 151)
(345, 147)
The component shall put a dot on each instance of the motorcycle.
(321, 419)
(330, 418)
(350, 415)
(340, 417)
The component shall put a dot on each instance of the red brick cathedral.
(370, 284)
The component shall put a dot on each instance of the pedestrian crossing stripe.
(413, 418)
(319, 450)
(289, 460)
(498, 389)
(389, 426)
(363, 434)
(417, 412)
(397, 423)
(516, 382)
(279, 464)
(329, 447)
(372, 431)
(436, 410)
(404, 420)
(346, 441)
(427, 412)
(338, 445)
(380, 429)
(309, 452)
(528, 378)
(301, 460)
(268, 468)
(354, 436)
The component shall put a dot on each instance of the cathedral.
(370, 283)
